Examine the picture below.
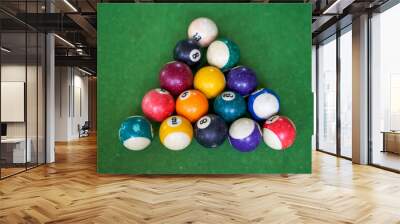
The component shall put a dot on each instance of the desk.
(391, 141)
(18, 150)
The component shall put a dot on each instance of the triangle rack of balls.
(182, 101)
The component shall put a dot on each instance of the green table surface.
(136, 40)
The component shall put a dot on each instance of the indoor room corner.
(75, 101)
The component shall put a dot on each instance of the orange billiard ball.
(192, 104)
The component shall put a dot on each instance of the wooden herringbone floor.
(70, 191)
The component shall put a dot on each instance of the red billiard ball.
(279, 132)
(158, 104)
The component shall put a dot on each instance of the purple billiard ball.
(242, 79)
(245, 135)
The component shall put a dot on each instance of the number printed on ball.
(174, 121)
(195, 55)
(228, 96)
(272, 119)
(162, 91)
(204, 122)
(197, 37)
(185, 95)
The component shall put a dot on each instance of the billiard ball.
(242, 79)
(192, 104)
(188, 51)
(176, 77)
(223, 54)
(158, 104)
(245, 134)
(279, 132)
(209, 80)
(203, 30)
(230, 106)
(135, 133)
(210, 131)
(176, 133)
(263, 103)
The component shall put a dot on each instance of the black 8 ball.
(210, 131)
(188, 51)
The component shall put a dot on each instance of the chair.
(84, 130)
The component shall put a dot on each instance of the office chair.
(84, 130)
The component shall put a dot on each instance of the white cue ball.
(203, 30)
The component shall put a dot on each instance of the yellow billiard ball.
(176, 133)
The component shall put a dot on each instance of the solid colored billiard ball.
(279, 132)
(230, 106)
(176, 133)
(223, 54)
(192, 104)
(245, 135)
(135, 133)
(210, 131)
(158, 104)
(188, 51)
(203, 30)
(176, 77)
(209, 80)
(263, 103)
(242, 80)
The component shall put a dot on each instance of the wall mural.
(204, 88)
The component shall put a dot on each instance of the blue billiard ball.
(263, 104)
(136, 133)
(230, 106)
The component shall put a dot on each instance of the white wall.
(80, 111)
(71, 102)
(34, 125)
(62, 82)
(16, 73)
(12, 73)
